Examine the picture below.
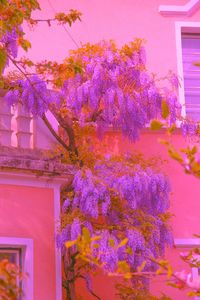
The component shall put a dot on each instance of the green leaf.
(165, 110)
(156, 125)
(164, 142)
(142, 266)
(172, 128)
(111, 242)
(127, 275)
(183, 150)
(174, 154)
(86, 235)
(194, 150)
(196, 64)
(170, 271)
(172, 284)
(129, 250)
(3, 2)
(95, 246)
(124, 242)
(3, 58)
(189, 294)
(195, 167)
(198, 236)
(25, 44)
(95, 238)
(30, 63)
(159, 271)
(123, 266)
(69, 244)
(1, 84)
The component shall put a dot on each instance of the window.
(191, 73)
(188, 53)
(188, 244)
(13, 255)
(20, 252)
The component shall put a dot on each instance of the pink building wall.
(28, 212)
(122, 20)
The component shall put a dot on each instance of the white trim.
(178, 27)
(179, 10)
(43, 181)
(27, 261)
(57, 251)
(31, 179)
(187, 243)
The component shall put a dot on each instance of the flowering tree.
(118, 203)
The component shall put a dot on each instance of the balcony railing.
(19, 129)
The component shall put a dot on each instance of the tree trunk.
(69, 265)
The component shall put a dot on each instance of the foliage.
(10, 277)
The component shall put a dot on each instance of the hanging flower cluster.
(35, 96)
(115, 90)
(145, 198)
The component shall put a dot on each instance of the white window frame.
(189, 244)
(190, 27)
(26, 246)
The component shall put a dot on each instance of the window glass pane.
(11, 254)
(191, 74)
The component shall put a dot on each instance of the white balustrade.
(23, 127)
(16, 130)
(5, 123)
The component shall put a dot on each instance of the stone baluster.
(23, 128)
(42, 137)
(5, 123)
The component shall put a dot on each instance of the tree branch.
(57, 116)
(44, 118)
(66, 125)
(91, 292)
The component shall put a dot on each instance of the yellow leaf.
(156, 125)
(124, 242)
(69, 244)
(86, 235)
(127, 275)
(111, 242)
(158, 272)
(165, 110)
(95, 246)
(170, 271)
(142, 266)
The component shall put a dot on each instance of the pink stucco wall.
(122, 20)
(184, 206)
(28, 212)
(185, 188)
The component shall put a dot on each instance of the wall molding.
(179, 10)
(187, 243)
